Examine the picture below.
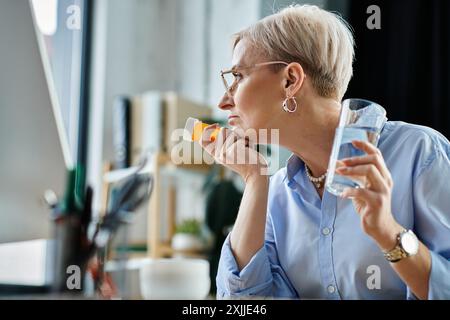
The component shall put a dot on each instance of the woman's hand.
(235, 151)
(372, 202)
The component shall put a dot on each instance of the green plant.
(190, 226)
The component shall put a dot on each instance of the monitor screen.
(34, 150)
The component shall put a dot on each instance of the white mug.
(174, 279)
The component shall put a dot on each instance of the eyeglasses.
(231, 77)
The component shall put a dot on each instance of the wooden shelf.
(157, 248)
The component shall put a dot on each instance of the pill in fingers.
(215, 129)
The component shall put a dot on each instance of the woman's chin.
(235, 122)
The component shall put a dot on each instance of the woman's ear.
(295, 76)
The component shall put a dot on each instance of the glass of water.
(359, 120)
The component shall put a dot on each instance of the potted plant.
(188, 236)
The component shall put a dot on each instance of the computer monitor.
(34, 153)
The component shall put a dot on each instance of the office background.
(129, 47)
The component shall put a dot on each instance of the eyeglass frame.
(224, 72)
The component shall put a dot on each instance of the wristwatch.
(407, 245)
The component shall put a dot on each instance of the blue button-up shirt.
(315, 248)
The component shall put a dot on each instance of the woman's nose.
(226, 103)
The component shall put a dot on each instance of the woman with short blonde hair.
(324, 46)
(389, 239)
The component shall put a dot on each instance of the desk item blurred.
(26, 267)
(74, 247)
(71, 218)
(131, 194)
(162, 278)
(176, 279)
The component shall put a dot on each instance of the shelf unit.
(155, 247)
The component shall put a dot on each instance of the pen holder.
(70, 252)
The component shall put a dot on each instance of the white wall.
(192, 59)
(227, 18)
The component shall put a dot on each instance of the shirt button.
(326, 231)
(331, 289)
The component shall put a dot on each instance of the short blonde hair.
(321, 41)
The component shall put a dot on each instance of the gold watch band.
(398, 253)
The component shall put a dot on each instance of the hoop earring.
(286, 105)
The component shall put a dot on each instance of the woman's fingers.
(368, 196)
(217, 148)
(240, 153)
(370, 171)
(373, 157)
(222, 142)
(366, 147)
(230, 143)
(205, 141)
(233, 151)
(231, 138)
(229, 147)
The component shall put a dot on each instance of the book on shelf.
(121, 136)
(147, 125)
(155, 117)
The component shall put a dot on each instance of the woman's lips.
(232, 117)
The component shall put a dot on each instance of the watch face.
(410, 243)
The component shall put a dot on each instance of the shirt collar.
(293, 165)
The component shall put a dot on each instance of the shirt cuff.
(439, 282)
(439, 285)
(252, 280)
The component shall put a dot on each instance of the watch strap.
(398, 253)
